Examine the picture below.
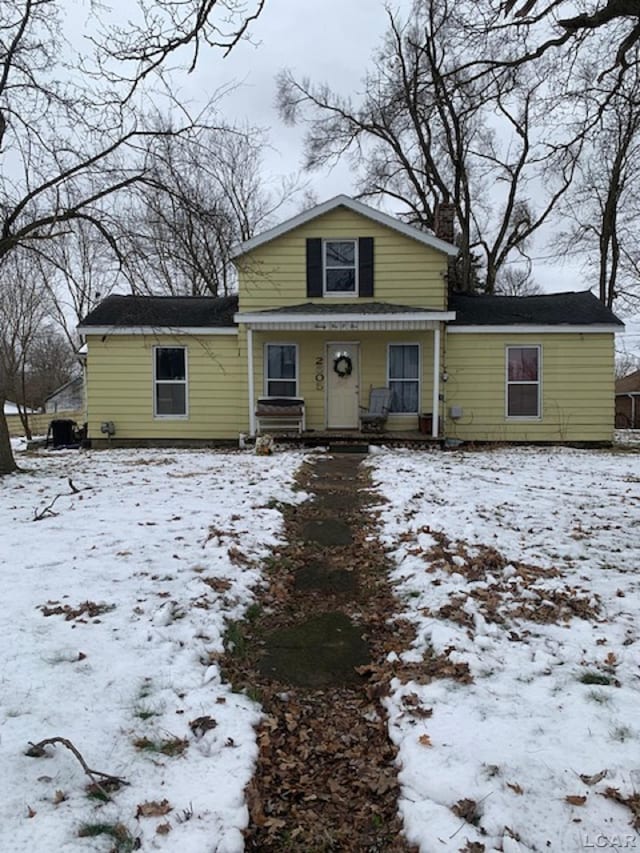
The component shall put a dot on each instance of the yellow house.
(331, 304)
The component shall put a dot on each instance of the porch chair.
(374, 418)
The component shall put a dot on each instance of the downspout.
(250, 383)
(435, 419)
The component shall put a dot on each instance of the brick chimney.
(443, 219)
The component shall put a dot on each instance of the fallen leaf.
(517, 789)
(163, 828)
(575, 800)
(31, 812)
(425, 740)
(153, 808)
(593, 780)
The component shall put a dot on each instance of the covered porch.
(330, 357)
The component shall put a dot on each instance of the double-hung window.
(170, 382)
(281, 370)
(404, 377)
(340, 267)
(523, 382)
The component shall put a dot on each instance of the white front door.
(343, 385)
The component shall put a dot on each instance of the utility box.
(456, 412)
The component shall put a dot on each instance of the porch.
(331, 357)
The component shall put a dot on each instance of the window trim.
(508, 382)
(185, 382)
(418, 379)
(341, 294)
(265, 366)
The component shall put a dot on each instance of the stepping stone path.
(326, 777)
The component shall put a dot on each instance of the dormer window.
(340, 267)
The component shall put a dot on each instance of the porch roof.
(361, 316)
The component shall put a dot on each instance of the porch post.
(436, 382)
(250, 383)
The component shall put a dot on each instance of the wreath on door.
(342, 364)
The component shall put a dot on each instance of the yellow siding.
(373, 368)
(120, 387)
(577, 387)
(405, 272)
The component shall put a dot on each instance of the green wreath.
(342, 364)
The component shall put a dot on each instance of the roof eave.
(355, 206)
(536, 328)
(157, 330)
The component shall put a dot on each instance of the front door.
(343, 385)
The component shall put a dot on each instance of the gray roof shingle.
(188, 312)
(556, 309)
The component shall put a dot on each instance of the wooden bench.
(282, 413)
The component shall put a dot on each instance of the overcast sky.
(329, 41)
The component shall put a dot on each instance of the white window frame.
(341, 294)
(185, 382)
(265, 359)
(391, 379)
(538, 382)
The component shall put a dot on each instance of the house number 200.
(319, 373)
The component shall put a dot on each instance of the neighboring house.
(338, 300)
(628, 401)
(12, 409)
(67, 398)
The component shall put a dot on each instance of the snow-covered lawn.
(165, 545)
(524, 566)
(519, 567)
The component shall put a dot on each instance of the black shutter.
(365, 266)
(314, 267)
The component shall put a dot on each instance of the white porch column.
(250, 383)
(436, 381)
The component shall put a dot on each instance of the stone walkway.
(326, 777)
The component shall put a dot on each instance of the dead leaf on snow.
(593, 780)
(575, 800)
(425, 740)
(517, 789)
(153, 808)
(632, 802)
(201, 725)
(466, 809)
(163, 828)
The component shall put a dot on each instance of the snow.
(168, 543)
(498, 538)
(519, 564)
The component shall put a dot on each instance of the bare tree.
(160, 29)
(592, 21)
(426, 132)
(208, 195)
(71, 138)
(517, 281)
(602, 209)
(24, 310)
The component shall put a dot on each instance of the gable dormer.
(342, 251)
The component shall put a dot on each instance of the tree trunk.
(7, 462)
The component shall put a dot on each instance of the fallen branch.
(47, 511)
(37, 750)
